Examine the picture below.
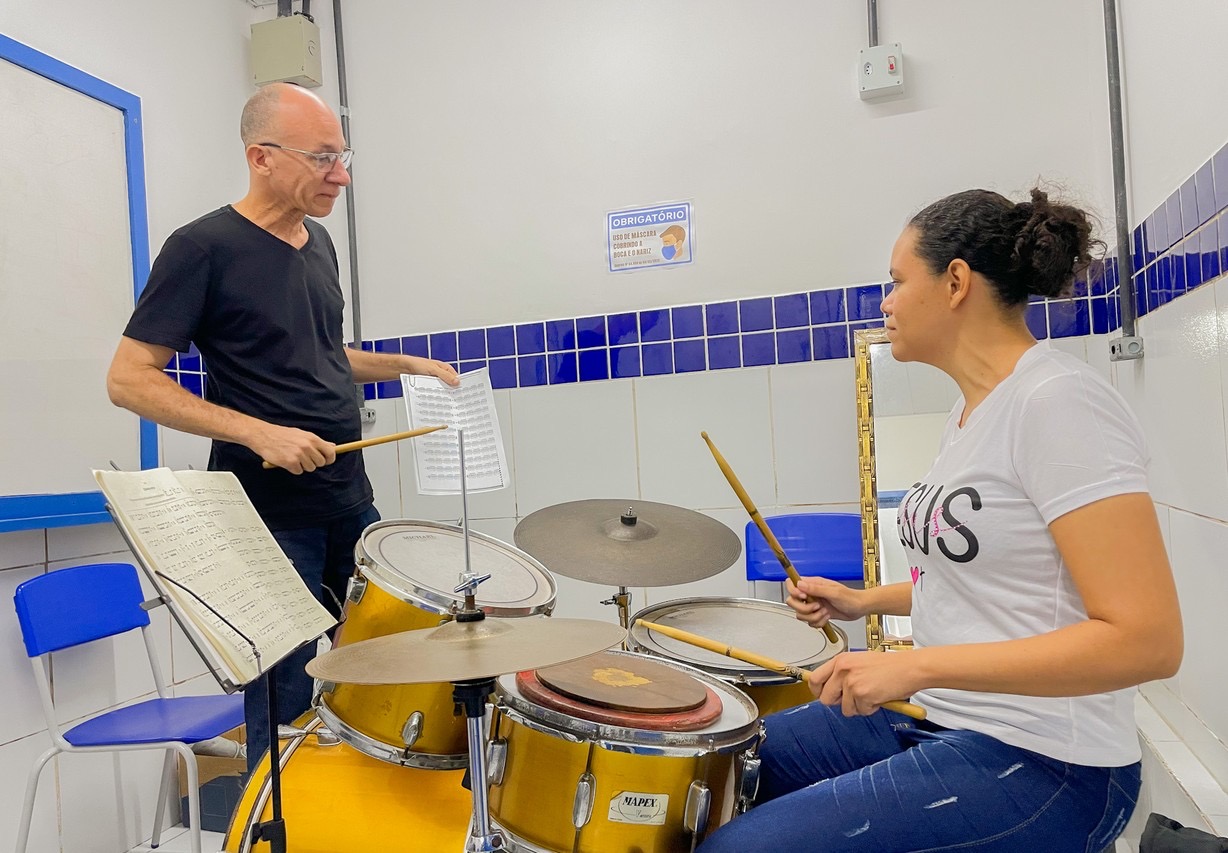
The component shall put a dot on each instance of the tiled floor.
(177, 840)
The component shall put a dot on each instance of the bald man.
(255, 286)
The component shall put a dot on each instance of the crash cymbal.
(461, 651)
(628, 542)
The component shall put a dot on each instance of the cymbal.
(628, 542)
(460, 651)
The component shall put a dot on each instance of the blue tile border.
(1178, 247)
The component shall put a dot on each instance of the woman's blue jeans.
(884, 784)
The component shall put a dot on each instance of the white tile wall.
(23, 548)
(23, 711)
(16, 759)
(814, 433)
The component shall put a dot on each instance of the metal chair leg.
(193, 780)
(164, 789)
(27, 810)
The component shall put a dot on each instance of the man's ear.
(258, 159)
(959, 281)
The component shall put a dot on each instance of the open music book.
(200, 536)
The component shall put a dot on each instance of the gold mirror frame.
(863, 339)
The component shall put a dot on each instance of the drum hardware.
(750, 507)
(622, 599)
(496, 761)
(412, 728)
(628, 543)
(695, 814)
(582, 805)
(900, 706)
(322, 734)
(748, 786)
(356, 588)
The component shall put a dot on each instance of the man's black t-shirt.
(267, 319)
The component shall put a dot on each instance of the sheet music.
(199, 529)
(469, 406)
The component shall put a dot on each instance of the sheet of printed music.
(199, 529)
(469, 406)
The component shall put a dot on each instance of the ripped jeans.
(884, 784)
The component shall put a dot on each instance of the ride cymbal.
(461, 651)
(628, 542)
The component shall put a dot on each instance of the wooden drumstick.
(772, 541)
(383, 439)
(900, 706)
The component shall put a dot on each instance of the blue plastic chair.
(73, 606)
(819, 544)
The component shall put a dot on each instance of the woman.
(1041, 590)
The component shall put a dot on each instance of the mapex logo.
(639, 808)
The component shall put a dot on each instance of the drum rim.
(752, 676)
(374, 748)
(632, 740)
(406, 589)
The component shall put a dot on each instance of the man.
(255, 286)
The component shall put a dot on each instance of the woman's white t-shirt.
(1050, 438)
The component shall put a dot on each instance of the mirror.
(902, 409)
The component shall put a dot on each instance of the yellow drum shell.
(337, 800)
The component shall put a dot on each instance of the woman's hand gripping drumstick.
(383, 439)
(900, 706)
(772, 541)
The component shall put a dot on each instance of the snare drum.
(405, 574)
(568, 775)
(337, 800)
(764, 627)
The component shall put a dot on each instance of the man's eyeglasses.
(325, 161)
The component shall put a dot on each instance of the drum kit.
(449, 672)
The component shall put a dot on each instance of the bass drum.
(763, 627)
(334, 799)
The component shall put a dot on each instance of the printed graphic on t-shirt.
(930, 516)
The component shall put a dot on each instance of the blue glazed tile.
(864, 302)
(443, 346)
(1136, 246)
(530, 339)
(503, 373)
(1193, 264)
(623, 329)
(654, 326)
(1204, 189)
(1114, 315)
(367, 346)
(1100, 315)
(500, 341)
(1159, 282)
(1176, 228)
(792, 311)
(1095, 278)
(562, 368)
(594, 364)
(793, 346)
(830, 342)
(172, 363)
(388, 390)
(193, 382)
(827, 306)
(560, 335)
(1176, 270)
(1189, 205)
(1111, 267)
(1222, 225)
(724, 352)
(758, 349)
(1219, 169)
(590, 332)
(1140, 295)
(1155, 234)
(368, 391)
(688, 321)
(388, 345)
(416, 345)
(624, 362)
(1068, 318)
(689, 356)
(187, 361)
(1208, 240)
(470, 366)
(472, 344)
(755, 314)
(531, 370)
(722, 318)
(658, 359)
(1038, 323)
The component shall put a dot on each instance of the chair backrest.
(822, 544)
(71, 606)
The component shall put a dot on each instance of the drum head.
(421, 562)
(765, 628)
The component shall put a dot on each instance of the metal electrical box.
(880, 71)
(286, 50)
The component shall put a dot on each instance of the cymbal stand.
(471, 695)
(622, 599)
